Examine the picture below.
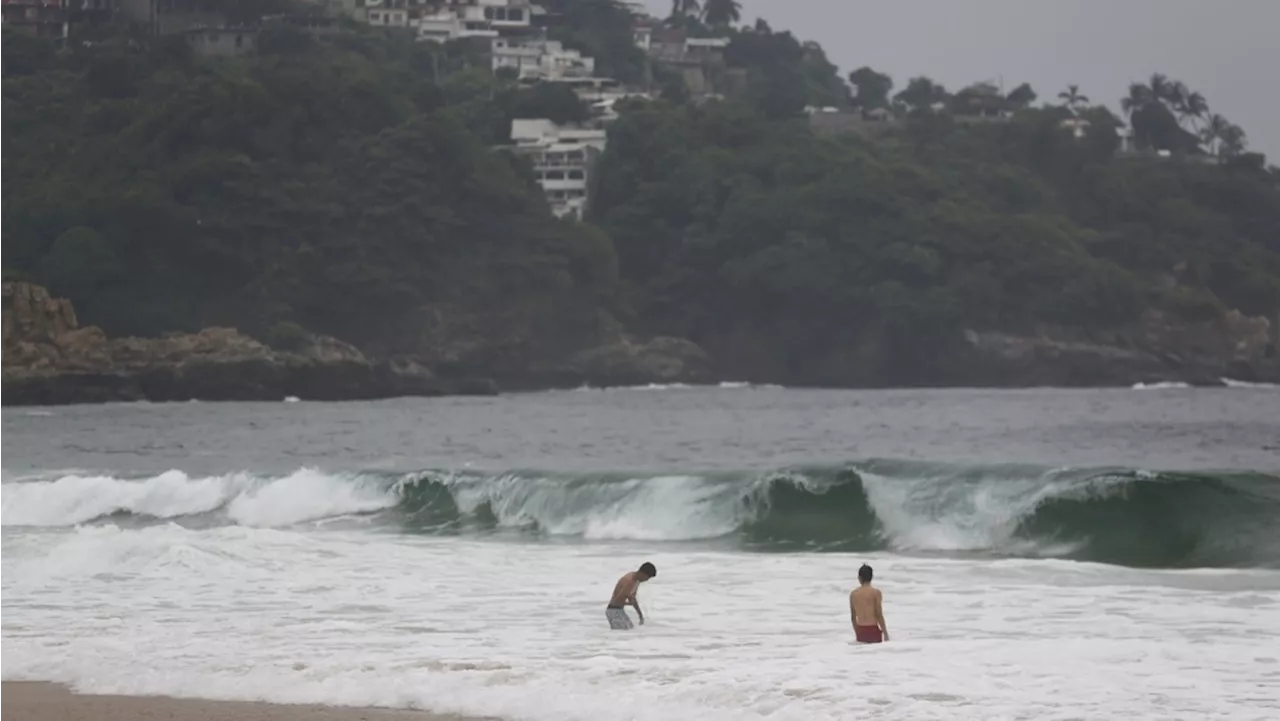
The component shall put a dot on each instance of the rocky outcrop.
(629, 362)
(50, 359)
(1233, 346)
(524, 347)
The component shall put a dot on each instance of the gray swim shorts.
(618, 619)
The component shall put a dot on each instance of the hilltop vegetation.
(329, 186)
(337, 187)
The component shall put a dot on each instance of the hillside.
(334, 187)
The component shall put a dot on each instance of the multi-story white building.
(446, 25)
(498, 14)
(562, 159)
(540, 59)
(477, 18)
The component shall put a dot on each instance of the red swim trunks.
(868, 634)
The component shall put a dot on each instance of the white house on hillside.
(562, 158)
(540, 58)
(477, 18)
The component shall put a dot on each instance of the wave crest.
(1119, 516)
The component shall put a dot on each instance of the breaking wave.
(1107, 515)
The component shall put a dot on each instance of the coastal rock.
(659, 360)
(1160, 350)
(49, 359)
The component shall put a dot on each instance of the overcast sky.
(1226, 49)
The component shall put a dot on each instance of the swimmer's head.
(864, 573)
(647, 571)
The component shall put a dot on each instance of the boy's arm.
(884, 629)
(636, 602)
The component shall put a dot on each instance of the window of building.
(515, 15)
(555, 175)
(576, 175)
(375, 17)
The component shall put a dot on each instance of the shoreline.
(46, 701)
(492, 390)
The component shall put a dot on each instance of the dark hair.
(864, 573)
(647, 569)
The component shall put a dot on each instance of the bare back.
(865, 603)
(625, 589)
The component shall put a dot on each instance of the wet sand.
(33, 701)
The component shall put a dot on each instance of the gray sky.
(1226, 49)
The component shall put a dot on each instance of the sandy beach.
(32, 701)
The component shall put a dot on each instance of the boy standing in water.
(624, 594)
(867, 610)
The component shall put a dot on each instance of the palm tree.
(1177, 97)
(1213, 131)
(721, 13)
(1072, 99)
(685, 7)
(1222, 137)
(1160, 87)
(1194, 108)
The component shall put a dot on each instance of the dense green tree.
(921, 93)
(335, 187)
(1022, 96)
(873, 88)
(349, 186)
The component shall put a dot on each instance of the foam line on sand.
(34, 701)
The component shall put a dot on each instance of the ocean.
(1044, 554)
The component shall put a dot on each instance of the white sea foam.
(518, 632)
(75, 499)
(1232, 383)
(304, 495)
(1160, 386)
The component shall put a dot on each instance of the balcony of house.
(562, 159)
(500, 15)
(566, 179)
(388, 17)
(541, 132)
